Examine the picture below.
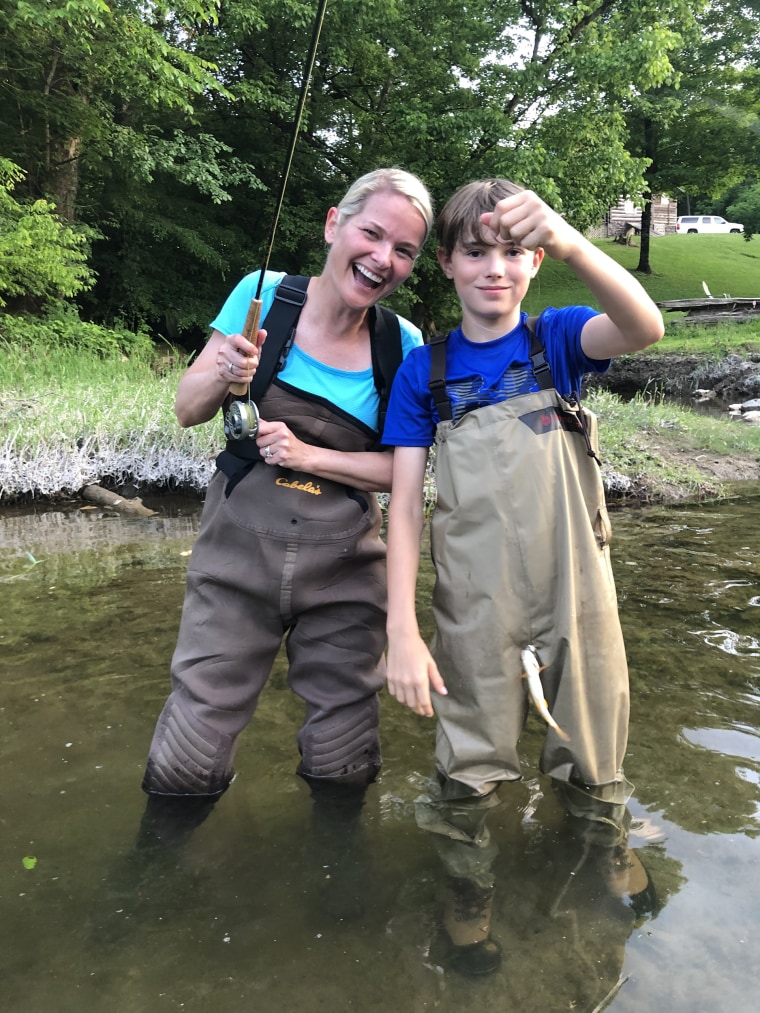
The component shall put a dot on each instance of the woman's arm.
(368, 470)
(206, 382)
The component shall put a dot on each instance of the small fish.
(531, 672)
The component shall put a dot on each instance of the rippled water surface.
(239, 919)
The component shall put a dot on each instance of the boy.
(519, 537)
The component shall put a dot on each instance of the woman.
(289, 540)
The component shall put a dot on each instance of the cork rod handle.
(250, 330)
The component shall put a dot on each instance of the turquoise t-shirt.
(353, 391)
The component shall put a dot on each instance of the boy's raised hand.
(528, 221)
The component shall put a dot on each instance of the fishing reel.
(241, 420)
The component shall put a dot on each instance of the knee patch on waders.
(344, 745)
(187, 756)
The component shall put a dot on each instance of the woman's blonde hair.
(387, 181)
(459, 220)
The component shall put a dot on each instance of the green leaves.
(165, 127)
(40, 255)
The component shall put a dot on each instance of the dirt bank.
(733, 380)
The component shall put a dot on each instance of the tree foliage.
(42, 259)
(163, 126)
(700, 129)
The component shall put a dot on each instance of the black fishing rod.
(242, 419)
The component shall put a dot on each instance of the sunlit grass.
(715, 341)
(680, 264)
(71, 418)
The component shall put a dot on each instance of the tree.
(42, 259)
(699, 129)
(497, 87)
(79, 75)
(166, 128)
(742, 204)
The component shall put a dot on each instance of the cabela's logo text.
(303, 486)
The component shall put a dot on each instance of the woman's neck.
(332, 332)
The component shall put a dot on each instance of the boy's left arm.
(629, 320)
(412, 673)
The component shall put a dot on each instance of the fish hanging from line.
(531, 672)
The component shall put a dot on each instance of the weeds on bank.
(648, 437)
(69, 418)
(715, 341)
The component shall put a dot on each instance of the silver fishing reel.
(241, 421)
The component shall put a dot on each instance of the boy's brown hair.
(459, 220)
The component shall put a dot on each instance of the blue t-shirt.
(483, 373)
(353, 391)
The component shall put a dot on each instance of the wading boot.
(467, 923)
(148, 871)
(338, 848)
(627, 878)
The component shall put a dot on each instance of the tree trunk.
(650, 150)
(63, 177)
(644, 266)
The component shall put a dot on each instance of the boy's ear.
(444, 259)
(538, 256)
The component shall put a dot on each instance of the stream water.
(237, 920)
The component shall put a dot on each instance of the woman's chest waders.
(283, 553)
(520, 538)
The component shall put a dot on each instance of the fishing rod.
(242, 418)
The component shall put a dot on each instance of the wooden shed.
(627, 213)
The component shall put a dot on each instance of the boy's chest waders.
(520, 539)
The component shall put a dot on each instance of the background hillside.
(727, 264)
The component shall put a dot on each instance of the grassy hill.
(728, 265)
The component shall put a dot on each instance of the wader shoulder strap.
(539, 362)
(387, 353)
(437, 381)
(279, 323)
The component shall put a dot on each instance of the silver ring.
(231, 367)
(268, 452)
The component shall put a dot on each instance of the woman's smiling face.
(373, 251)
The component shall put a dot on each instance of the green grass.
(727, 264)
(80, 405)
(652, 443)
(70, 419)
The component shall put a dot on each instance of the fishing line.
(251, 325)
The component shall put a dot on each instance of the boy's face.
(491, 277)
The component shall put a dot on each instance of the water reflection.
(237, 916)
